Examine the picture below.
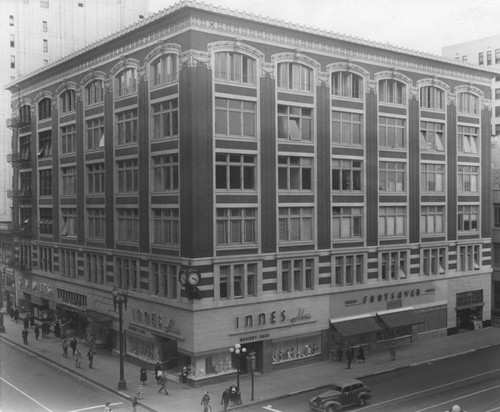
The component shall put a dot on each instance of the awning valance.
(356, 326)
(398, 318)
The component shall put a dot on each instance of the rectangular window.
(45, 144)
(347, 128)
(432, 137)
(468, 140)
(392, 132)
(235, 67)
(235, 118)
(496, 215)
(95, 267)
(45, 259)
(235, 171)
(392, 221)
(497, 111)
(68, 263)
(481, 58)
(347, 222)
(68, 139)
(96, 222)
(468, 218)
(45, 182)
(433, 261)
(489, 57)
(237, 281)
(294, 76)
(68, 217)
(45, 46)
(44, 26)
(94, 92)
(128, 225)
(68, 181)
(95, 178)
(126, 82)
(12, 40)
(128, 175)
(347, 175)
(164, 69)
(297, 275)
(224, 273)
(392, 177)
(393, 265)
(164, 280)
(46, 221)
(165, 119)
(67, 101)
(126, 273)
(432, 220)
(25, 184)
(165, 172)
(11, 20)
(236, 226)
(295, 173)
(295, 123)
(469, 258)
(432, 177)
(468, 179)
(348, 270)
(295, 224)
(44, 109)
(497, 94)
(25, 219)
(95, 133)
(126, 127)
(166, 226)
(12, 62)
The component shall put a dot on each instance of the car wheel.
(362, 401)
(331, 409)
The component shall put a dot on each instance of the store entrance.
(469, 318)
(257, 348)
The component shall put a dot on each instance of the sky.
(423, 25)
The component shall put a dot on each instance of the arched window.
(467, 103)
(346, 84)
(164, 69)
(235, 67)
(94, 92)
(294, 76)
(391, 91)
(431, 97)
(126, 82)
(25, 114)
(67, 101)
(44, 108)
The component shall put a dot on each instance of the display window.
(296, 347)
(142, 348)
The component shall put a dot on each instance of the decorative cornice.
(433, 81)
(65, 86)
(122, 64)
(468, 88)
(295, 56)
(348, 66)
(235, 45)
(92, 75)
(43, 94)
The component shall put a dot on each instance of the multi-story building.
(36, 32)
(255, 182)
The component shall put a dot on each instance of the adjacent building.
(251, 181)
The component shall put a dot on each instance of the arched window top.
(394, 75)
(124, 64)
(44, 108)
(433, 94)
(24, 113)
(92, 76)
(66, 86)
(161, 49)
(163, 63)
(67, 100)
(347, 80)
(468, 102)
(348, 67)
(125, 77)
(295, 71)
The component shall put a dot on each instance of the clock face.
(193, 278)
(182, 277)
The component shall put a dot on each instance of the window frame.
(302, 117)
(392, 91)
(236, 65)
(287, 74)
(397, 213)
(346, 84)
(355, 120)
(236, 226)
(292, 227)
(347, 220)
(168, 60)
(235, 171)
(432, 220)
(302, 170)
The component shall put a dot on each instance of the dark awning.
(356, 326)
(399, 318)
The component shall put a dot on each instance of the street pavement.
(267, 387)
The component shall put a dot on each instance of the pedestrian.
(107, 408)
(26, 322)
(163, 383)
(65, 348)
(392, 351)
(144, 374)
(90, 357)
(349, 354)
(72, 345)
(184, 377)
(361, 355)
(37, 332)
(16, 314)
(158, 372)
(205, 401)
(226, 395)
(57, 329)
(78, 359)
(25, 336)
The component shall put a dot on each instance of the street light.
(238, 351)
(251, 358)
(120, 299)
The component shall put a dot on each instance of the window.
(468, 179)
(44, 109)
(45, 144)
(432, 136)
(96, 183)
(392, 221)
(468, 103)
(126, 273)
(25, 147)
(11, 20)
(346, 175)
(348, 270)
(128, 175)
(468, 217)
(68, 139)
(12, 62)
(392, 176)
(164, 280)
(126, 125)
(164, 69)
(68, 181)
(497, 111)
(392, 132)
(25, 218)
(95, 133)
(431, 98)
(68, 265)
(67, 101)
(347, 222)
(432, 177)
(125, 82)
(45, 182)
(45, 46)
(496, 215)
(393, 265)
(347, 128)
(12, 41)
(235, 117)
(68, 227)
(25, 114)
(295, 224)
(94, 92)
(489, 57)
(432, 220)
(44, 4)
(25, 184)
(497, 56)
(166, 226)
(295, 173)
(294, 76)
(497, 94)
(468, 141)
(165, 119)
(45, 256)
(235, 67)
(96, 222)
(481, 58)
(165, 172)
(95, 267)
(297, 274)
(236, 226)
(391, 91)
(46, 221)
(44, 26)
(295, 123)
(433, 261)
(235, 172)
(237, 281)
(469, 258)
(347, 84)
(128, 225)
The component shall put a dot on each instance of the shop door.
(259, 362)
(168, 353)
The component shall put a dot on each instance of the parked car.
(343, 393)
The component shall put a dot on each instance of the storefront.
(34, 296)
(469, 310)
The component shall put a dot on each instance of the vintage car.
(343, 393)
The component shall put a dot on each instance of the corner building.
(324, 189)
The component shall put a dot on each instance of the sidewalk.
(267, 387)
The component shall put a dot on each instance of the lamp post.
(251, 358)
(238, 351)
(120, 299)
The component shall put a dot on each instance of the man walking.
(90, 356)
(65, 348)
(78, 358)
(73, 345)
(37, 332)
(205, 401)
(25, 336)
(163, 383)
(349, 356)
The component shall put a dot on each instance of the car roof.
(346, 382)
